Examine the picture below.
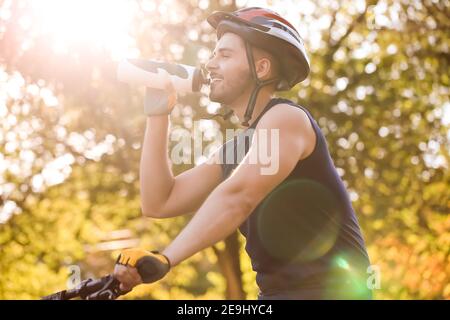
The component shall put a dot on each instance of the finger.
(119, 272)
(167, 82)
(172, 99)
(124, 287)
(123, 275)
(134, 273)
(128, 278)
(131, 278)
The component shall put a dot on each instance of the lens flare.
(300, 221)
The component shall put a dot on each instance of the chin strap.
(258, 85)
(225, 116)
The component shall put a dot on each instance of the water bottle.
(150, 73)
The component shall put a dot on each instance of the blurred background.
(70, 137)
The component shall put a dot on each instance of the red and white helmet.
(267, 30)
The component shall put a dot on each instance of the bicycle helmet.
(266, 29)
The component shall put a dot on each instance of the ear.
(263, 66)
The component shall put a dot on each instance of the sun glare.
(96, 23)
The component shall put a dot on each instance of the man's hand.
(171, 92)
(128, 277)
(160, 101)
(136, 266)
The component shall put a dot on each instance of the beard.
(228, 90)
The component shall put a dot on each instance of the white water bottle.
(153, 74)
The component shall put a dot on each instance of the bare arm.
(230, 203)
(162, 194)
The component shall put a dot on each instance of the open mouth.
(215, 78)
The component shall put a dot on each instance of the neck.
(239, 106)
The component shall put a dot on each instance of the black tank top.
(304, 235)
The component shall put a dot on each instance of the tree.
(71, 135)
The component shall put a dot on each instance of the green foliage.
(69, 169)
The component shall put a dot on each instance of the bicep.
(277, 146)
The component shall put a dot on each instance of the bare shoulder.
(284, 115)
(294, 122)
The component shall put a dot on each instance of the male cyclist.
(301, 232)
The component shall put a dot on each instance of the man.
(302, 234)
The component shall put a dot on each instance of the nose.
(211, 64)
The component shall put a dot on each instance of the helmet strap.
(258, 84)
